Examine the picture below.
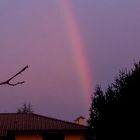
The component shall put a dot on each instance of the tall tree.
(114, 114)
(94, 111)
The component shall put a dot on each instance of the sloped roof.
(29, 122)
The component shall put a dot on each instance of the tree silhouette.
(26, 109)
(114, 114)
(8, 82)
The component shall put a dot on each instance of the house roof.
(33, 122)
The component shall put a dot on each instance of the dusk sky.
(70, 47)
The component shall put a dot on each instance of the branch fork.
(8, 82)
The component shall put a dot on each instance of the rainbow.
(77, 45)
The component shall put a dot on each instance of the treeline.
(114, 113)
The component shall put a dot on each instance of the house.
(21, 126)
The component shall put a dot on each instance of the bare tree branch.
(7, 82)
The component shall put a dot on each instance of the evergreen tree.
(114, 114)
(94, 112)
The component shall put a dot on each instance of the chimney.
(80, 120)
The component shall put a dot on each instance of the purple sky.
(33, 32)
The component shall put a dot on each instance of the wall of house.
(74, 137)
(39, 137)
(29, 137)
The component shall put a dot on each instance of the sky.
(70, 46)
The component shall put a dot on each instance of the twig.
(7, 82)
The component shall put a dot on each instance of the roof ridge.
(51, 118)
(8, 113)
(58, 120)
